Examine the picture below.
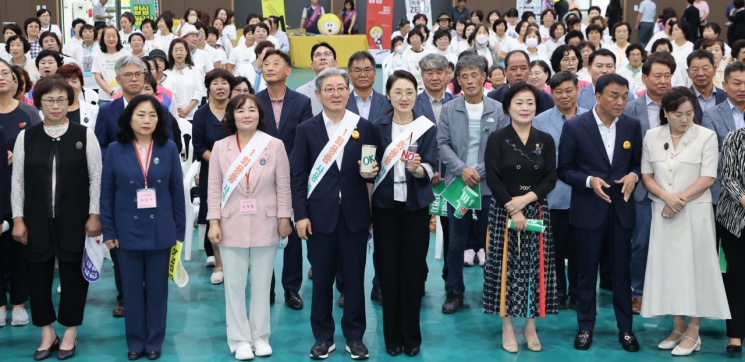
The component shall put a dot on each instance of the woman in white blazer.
(80, 112)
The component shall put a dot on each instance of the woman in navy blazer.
(143, 161)
(207, 128)
(400, 211)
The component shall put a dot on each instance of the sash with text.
(330, 151)
(397, 148)
(243, 164)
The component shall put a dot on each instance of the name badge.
(88, 73)
(248, 207)
(113, 83)
(146, 199)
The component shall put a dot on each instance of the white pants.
(236, 263)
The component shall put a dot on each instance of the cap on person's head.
(157, 53)
(443, 16)
(187, 29)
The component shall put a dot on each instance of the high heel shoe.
(65, 354)
(42, 355)
(670, 344)
(535, 347)
(680, 351)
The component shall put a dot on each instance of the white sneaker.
(3, 316)
(20, 317)
(482, 257)
(244, 352)
(210, 261)
(468, 256)
(59, 289)
(262, 348)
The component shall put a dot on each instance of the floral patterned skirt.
(521, 283)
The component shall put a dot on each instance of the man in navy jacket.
(517, 69)
(335, 217)
(600, 158)
(285, 109)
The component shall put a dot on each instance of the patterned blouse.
(92, 153)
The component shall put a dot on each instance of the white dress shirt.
(737, 115)
(608, 135)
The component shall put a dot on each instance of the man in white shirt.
(284, 42)
(201, 60)
(99, 12)
(324, 56)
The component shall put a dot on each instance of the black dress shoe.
(606, 285)
(411, 352)
(152, 355)
(573, 303)
(42, 355)
(293, 300)
(322, 349)
(628, 341)
(734, 349)
(377, 296)
(340, 302)
(583, 340)
(453, 303)
(272, 298)
(393, 352)
(135, 355)
(65, 354)
(358, 350)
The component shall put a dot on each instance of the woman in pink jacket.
(249, 211)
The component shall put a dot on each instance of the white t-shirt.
(85, 59)
(125, 39)
(240, 56)
(410, 63)
(165, 41)
(54, 28)
(70, 46)
(202, 61)
(248, 71)
(214, 54)
(230, 32)
(156, 43)
(104, 65)
(447, 54)
(271, 38)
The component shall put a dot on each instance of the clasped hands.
(515, 208)
(674, 204)
(628, 181)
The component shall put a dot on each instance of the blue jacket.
(720, 97)
(582, 154)
(323, 205)
(418, 190)
(142, 229)
(552, 122)
(547, 102)
(296, 108)
(423, 107)
(720, 120)
(107, 123)
(378, 105)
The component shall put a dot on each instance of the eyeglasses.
(130, 75)
(368, 71)
(401, 94)
(705, 69)
(52, 101)
(569, 60)
(330, 91)
(324, 54)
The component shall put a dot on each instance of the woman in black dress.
(693, 17)
(520, 275)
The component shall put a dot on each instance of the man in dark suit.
(285, 109)
(127, 68)
(364, 100)
(429, 103)
(701, 71)
(517, 69)
(330, 198)
(599, 149)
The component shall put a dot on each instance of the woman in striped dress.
(520, 276)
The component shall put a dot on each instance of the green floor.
(196, 324)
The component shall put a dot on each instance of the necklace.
(671, 135)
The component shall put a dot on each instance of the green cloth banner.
(143, 9)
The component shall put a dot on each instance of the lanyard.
(144, 169)
(248, 188)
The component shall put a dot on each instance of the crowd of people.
(566, 136)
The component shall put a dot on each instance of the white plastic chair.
(187, 152)
(191, 210)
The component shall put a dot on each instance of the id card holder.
(146, 199)
(113, 83)
(88, 73)
(248, 206)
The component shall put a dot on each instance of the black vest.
(72, 198)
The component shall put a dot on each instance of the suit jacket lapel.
(592, 128)
(130, 154)
(287, 105)
(641, 110)
(376, 106)
(427, 107)
(620, 139)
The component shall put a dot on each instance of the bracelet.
(416, 171)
